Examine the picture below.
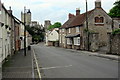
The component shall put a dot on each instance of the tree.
(37, 33)
(115, 11)
(55, 25)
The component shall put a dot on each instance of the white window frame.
(69, 30)
(78, 38)
(77, 41)
(77, 29)
(69, 42)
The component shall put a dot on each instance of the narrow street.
(55, 62)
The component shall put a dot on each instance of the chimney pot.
(77, 11)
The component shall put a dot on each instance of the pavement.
(99, 54)
(18, 66)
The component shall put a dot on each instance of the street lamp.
(24, 31)
(87, 25)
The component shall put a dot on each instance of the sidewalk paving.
(99, 54)
(19, 66)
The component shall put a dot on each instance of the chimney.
(98, 4)
(71, 15)
(77, 11)
(10, 11)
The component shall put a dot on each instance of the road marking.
(57, 67)
(38, 69)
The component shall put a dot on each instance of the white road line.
(57, 67)
(38, 69)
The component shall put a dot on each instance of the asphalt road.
(63, 63)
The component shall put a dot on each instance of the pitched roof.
(76, 21)
(67, 23)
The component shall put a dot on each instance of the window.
(77, 29)
(99, 20)
(63, 30)
(69, 30)
(63, 38)
(77, 41)
(69, 41)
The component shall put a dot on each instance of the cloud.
(54, 10)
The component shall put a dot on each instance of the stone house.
(53, 37)
(73, 31)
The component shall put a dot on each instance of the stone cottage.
(73, 31)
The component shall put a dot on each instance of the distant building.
(53, 37)
(36, 24)
(27, 17)
(47, 23)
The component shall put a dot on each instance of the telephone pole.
(24, 31)
(87, 26)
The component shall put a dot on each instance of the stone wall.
(114, 44)
(93, 42)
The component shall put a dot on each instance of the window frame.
(77, 29)
(69, 30)
(99, 20)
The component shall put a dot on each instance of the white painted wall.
(22, 35)
(5, 35)
(53, 36)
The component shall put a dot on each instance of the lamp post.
(24, 31)
(25, 24)
(87, 25)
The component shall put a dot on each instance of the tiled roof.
(67, 23)
(76, 21)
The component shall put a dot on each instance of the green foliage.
(37, 33)
(55, 25)
(115, 11)
(116, 31)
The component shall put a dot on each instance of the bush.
(116, 31)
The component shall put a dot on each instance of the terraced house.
(5, 31)
(73, 31)
(11, 34)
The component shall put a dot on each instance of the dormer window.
(99, 21)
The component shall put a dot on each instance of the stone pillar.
(109, 43)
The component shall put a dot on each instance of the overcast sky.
(54, 10)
